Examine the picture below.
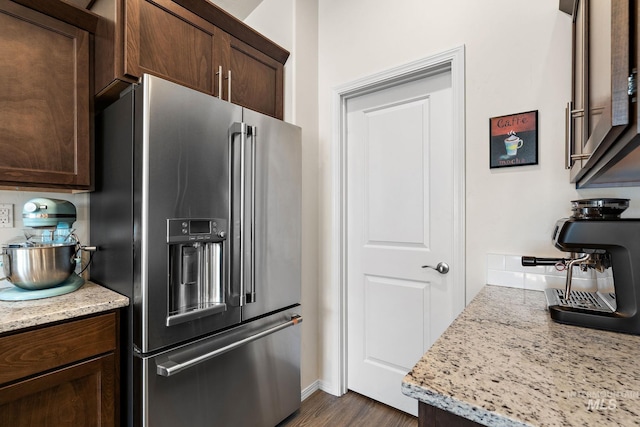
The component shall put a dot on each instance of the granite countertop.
(90, 298)
(504, 362)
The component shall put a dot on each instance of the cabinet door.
(61, 375)
(251, 78)
(161, 41)
(44, 100)
(599, 112)
(78, 395)
(181, 41)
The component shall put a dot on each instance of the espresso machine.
(596, 237)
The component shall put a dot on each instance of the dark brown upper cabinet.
(45, 95)
(602, 122)
(181, 41)
(250, 78)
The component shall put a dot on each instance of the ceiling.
(238, 8)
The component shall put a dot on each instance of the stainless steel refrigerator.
(196, 214)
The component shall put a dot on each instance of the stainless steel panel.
(276, 203)
(255, 385)
(112, 228)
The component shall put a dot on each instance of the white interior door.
(400, 198)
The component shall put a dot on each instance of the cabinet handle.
(229, 83)
(580, 156)
(568, 158)
(219, 74)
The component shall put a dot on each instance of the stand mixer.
(43, 263)
(597, 238)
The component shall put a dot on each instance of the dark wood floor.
(352, 409)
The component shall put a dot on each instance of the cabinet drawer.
(28, 353)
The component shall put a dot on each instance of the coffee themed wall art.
(514, 140)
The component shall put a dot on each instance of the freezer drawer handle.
(170, 368)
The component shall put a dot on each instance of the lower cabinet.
(430, 416)
(61, 375)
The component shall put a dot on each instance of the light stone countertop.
(504, 362)
(90, 298)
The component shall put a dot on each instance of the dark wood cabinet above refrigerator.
(193, 43)
(602, 116)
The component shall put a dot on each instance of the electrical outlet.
(6, 215)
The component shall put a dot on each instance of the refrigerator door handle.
(251, 293)
(170, 367)
(247, 207)
(238, 129)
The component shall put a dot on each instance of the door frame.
(452, 60)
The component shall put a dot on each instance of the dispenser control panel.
(185, 230)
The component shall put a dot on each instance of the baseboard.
(319, 385)
(329, 388)
(308, 391)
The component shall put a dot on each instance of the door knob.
(442, 267)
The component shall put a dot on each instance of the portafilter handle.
(531, 261)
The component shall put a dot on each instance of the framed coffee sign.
(513, 140)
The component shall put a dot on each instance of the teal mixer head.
(43, 212)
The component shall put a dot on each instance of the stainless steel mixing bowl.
(40, 266)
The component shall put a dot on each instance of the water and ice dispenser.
(195, 249)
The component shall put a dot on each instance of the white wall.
(293, 25)
(517, 59)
